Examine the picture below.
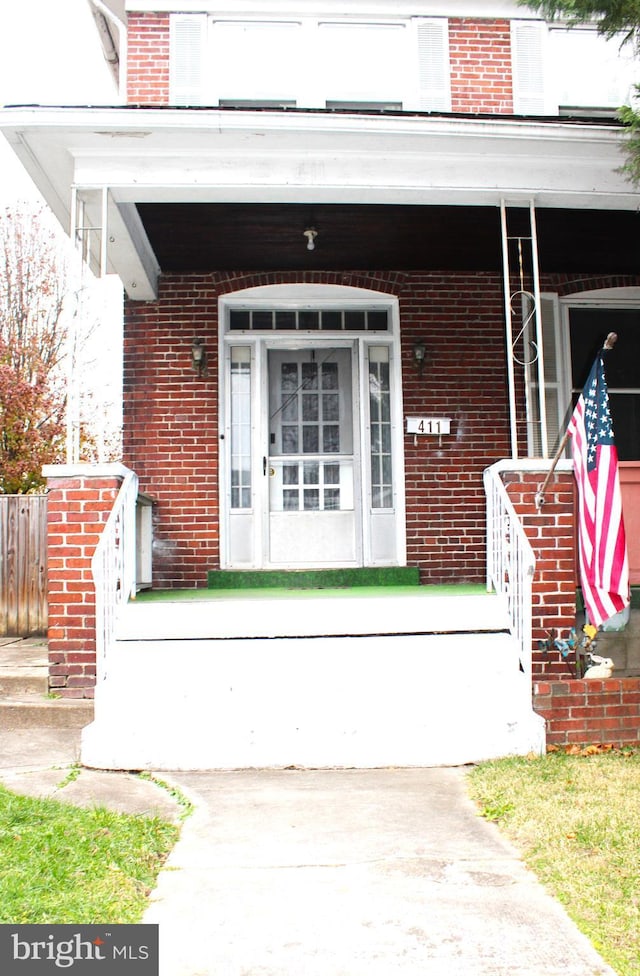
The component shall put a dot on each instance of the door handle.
(264, 465)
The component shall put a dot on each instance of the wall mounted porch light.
(310, 233)
(199, 355)
(419, 354)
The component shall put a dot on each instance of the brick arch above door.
(386, 282)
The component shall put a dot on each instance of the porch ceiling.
(206, 237)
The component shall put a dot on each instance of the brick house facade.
(411, 201)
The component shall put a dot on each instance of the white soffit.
(216, 156)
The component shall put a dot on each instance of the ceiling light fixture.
(311, 233)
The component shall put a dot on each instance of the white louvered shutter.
(434, 72)
(187, 58)
(528, 46)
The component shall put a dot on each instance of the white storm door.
(311, 466)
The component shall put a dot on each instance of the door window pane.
(285, 320)
(380, 422)
(309, 320)
(289, 410)
(331, 499)
(263, 320)
(310, 407)
(290, 474)
(289, 377)
(311, 499)
(289, 440)
(329, 376)
(310, 440)
(355, 321)
(330, 407)
(331, 439)
(311, 474)
(240, 427)
(310, 376)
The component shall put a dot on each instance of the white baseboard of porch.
(362, 701)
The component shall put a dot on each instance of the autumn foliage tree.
(31, 433)
(33, 286)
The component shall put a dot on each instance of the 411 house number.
(428, 425)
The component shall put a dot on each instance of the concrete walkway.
(353, 873)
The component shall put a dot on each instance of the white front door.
(312, 463)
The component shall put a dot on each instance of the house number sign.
(429, 425)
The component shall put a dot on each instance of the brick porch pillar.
(551, 533)
(80, 498)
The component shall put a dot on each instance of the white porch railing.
(510, 561)
(114, 566)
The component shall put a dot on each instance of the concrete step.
(366, 700)
(23, 681)
(23, 668)
(31, 711)
(319, 613)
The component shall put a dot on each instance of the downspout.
(115, 54)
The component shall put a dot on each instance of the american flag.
(604, 565)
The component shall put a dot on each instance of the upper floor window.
(310, 63)
(559, 70)
(591, 71)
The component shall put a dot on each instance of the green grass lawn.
(65, 864)
(576, 821)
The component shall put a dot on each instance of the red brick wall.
(585, 712)
(171, 414)
(170, 430)
(461, 319)
(148, 59)
(78, 507)
(480, 56)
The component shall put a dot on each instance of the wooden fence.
(23, 565)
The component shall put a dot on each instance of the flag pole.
(609, 343)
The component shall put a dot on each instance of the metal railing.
(114, 567)
(510, 562)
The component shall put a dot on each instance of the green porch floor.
(281, 592)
